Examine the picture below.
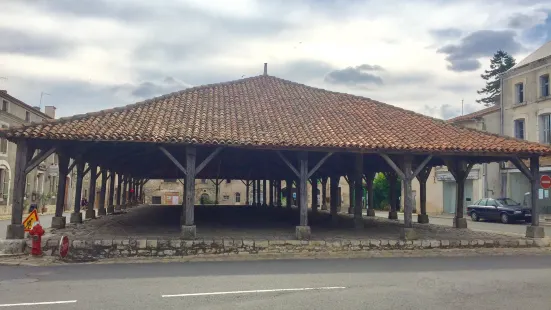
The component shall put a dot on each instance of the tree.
(381, 190)
(500, 63)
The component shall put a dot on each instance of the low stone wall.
(97, 249)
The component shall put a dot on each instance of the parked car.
(505, 210)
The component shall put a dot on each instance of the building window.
(27, 116)
(203, 181)
(3, 186)
(4, 143)
(226, 197)
(519, 93)
(228, 181)
(4, 105)
(519, 128)
(237, 197)
(544, 84)
(546, 128)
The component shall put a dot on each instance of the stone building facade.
(42, 182)
(526, 114)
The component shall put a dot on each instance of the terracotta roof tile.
(474, 115)
(268, 111)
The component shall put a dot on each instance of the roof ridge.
(130, 106)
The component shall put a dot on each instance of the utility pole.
(461, 107)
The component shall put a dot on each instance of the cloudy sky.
(422, 55)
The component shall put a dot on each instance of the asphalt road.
(516, 228)
(485, 282)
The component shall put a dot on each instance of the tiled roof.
(266, 111)
(542, 52)
(474, 115)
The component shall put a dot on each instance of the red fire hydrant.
(36, 234)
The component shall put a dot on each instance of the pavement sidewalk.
(546, 222)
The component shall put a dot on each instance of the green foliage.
(381, 190)
(500, 63)
(44, 199)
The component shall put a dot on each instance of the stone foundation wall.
(96, 249)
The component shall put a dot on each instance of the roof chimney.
(50, 111)
(265, 68)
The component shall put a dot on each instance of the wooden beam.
(174, 160)
(295, 171)
(40, 157)
(394, 167)
(207, 160)
(73, 164)
(87, 169)
(421, 166)
(316, 167)
(522, 167)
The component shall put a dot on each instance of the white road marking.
(260, 291)
(39, 303)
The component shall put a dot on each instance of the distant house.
(43, 179)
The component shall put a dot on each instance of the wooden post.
(247, 191)
(278, 184)
(289, 197)
(124, 191)
(358, 191)
(350, 180)
(76, 216)
(254, 192)
(59, 221)
(314, 193)
(460, 170)
(392, 178)
(271, 193)
(120, 178)
(103, 191)
(422, 177)
(334, 199)
(408, 201)
(16, 230)
(369, 177)
(324, 193)
(110, 206)
(303, 231)
(264, 193)
(258, 203)
(90, 212)
(534, 230)
(188, 228)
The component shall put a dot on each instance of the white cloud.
(111, 49)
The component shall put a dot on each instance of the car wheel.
(475, 217)
(504, 218)
(528, 220)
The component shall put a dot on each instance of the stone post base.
(117, 208)
(188, 232)
(90, 214)
(76, 218)
(59, 222)
(15, 231)
(102, 211)
(422, 219)
(324, 207)
(459, 222)
(123, 206)
(110, 210)
(350, 210)
(303, 232)
(370, 212)
(12, 246)
(407, 233)
(535, 232)
(392, 215)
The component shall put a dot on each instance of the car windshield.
(507, 202)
